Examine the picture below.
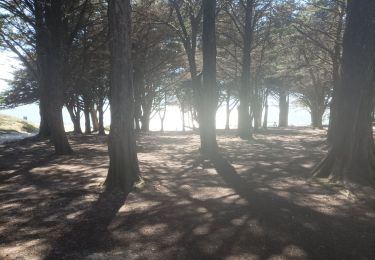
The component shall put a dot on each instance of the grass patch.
(13, 124)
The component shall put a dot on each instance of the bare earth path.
(254, 202)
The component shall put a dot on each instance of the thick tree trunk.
(244, 120)
(209, 92)
(145, 123)
(351, 158)
(123, 164)
(316, 117)
(283, 108)
(44, 129)
(336, 60)
(51, 58)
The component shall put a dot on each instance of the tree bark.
(283, 107)
(183, 117)
(123, 164)
(316, 117)
(86, 112)
(336, 60)
(265, 118)
(44, 129)
(351, 158)
(209, 92)
(139, 83)
(101, 117)
(94, 118)
(227, 108)
(76, 119)
(244, 120)
(51, 59)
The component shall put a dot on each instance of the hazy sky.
(297, 115)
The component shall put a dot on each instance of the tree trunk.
(44, 129)
(162, 124)
(257, 111)
(145, 123)
(244, 120)
(86, 112)
(336, 59)
(209, 92)
(351, 158)
(227, 110)
(123, 164)
(283, 107)
(139, 82)
(75, 117)
(316, 117)
(265, 118)
(51, 58)
(183, 117)
(94, 118)
(101, 117)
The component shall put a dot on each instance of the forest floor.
(256, 201)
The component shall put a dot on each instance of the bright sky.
(297, 116)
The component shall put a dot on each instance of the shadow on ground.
(254, 202)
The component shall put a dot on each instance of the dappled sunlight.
(257, 202)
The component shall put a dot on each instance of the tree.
(123, 162)
(244, 121)
(321, 23)
(351, 158)
(208, 92)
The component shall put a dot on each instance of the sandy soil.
(256, 201)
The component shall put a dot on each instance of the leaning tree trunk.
(283, 108)
(351, 158)
(244, 120)
(208, 97)
(123, 164)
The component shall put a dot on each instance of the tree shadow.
(90, 233)
(320, 236)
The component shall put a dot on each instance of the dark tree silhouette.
(51, 49)
(244, 120)
(123, 167)
(351, 158)
(209, 92)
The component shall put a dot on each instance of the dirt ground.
(256, 201)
